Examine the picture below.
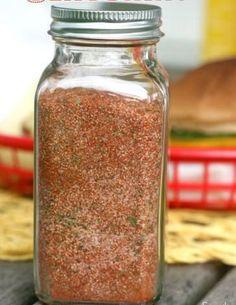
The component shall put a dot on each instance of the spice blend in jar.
(100, 169)
(98, 221)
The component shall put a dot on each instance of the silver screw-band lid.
(106, 21)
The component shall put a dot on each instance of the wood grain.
(187, 284)
(223, 293)
(16, 284)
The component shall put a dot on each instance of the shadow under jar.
(100, 163)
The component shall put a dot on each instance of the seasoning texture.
(99, 184)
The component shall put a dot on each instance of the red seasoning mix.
(100, 165)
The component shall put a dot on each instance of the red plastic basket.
(211, 188)
(12, 174)
(183, 190)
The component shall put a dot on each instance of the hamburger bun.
(204, 100)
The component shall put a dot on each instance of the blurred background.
(27, 49)
(196, 32)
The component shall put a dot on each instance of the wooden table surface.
(206, 284)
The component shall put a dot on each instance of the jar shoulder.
(133, 80)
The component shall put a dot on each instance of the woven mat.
(16, 227)
(192, 236)
(201, 236)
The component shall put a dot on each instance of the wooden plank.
(223, 293)
(16, 283)
(187, 284)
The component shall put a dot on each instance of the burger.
(203, 107)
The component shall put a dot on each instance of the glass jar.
(100, 163)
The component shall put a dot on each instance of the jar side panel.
(99, 171)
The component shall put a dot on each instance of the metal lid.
(106, 21)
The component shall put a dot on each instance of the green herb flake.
(78, 102)
(117, 259)
(81, 247)
(66, 221)
(61, 100)
(132, 220)
(123, 272)
(75, 160)
(83, 226)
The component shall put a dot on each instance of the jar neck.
(104, 55)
